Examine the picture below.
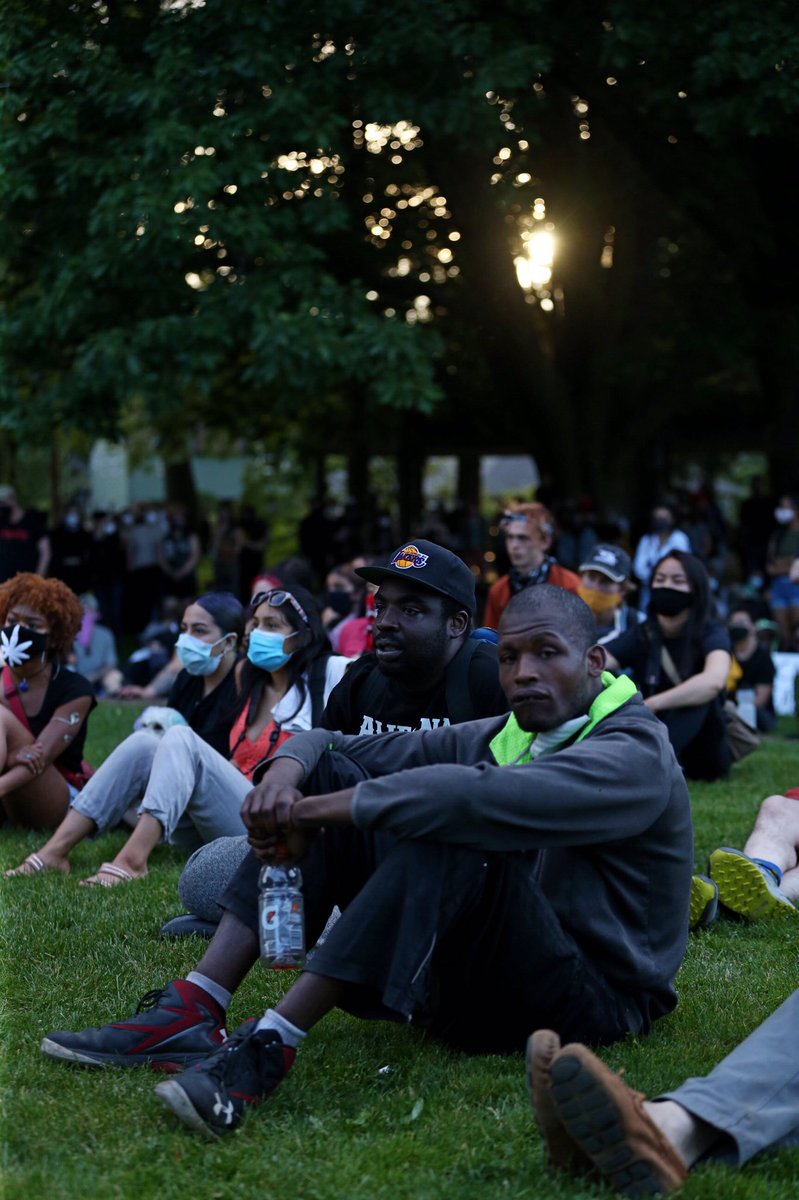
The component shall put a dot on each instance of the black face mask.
(662, 525)
(670, 602)
(15, 650)
(340, 601)
(738, 633)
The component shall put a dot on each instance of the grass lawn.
(372, 1110)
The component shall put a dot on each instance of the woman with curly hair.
(43, 706)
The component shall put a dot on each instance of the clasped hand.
(267, 814)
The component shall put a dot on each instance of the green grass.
(435, 1126)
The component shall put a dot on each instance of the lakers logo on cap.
(407, 557)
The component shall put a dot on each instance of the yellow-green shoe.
(704, 902)
(747, 888)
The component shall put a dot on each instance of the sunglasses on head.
(277, 598)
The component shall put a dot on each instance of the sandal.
(114, 875)
(32, 865)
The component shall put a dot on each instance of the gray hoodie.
(610, 815)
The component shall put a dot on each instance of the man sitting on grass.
(591, 1121)
(493, 876)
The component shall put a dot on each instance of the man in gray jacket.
(494, 877)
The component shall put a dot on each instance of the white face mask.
(784, 515)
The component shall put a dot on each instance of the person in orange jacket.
(529, 530)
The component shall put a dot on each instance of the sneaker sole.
(173, 1064)
(172, 1095)
(704, 902)
(744, 889)
(593, 1120)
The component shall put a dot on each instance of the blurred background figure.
(71, 547)
(663, 537)
(142, 589)
(179, 553)
(253, 538)
(108, 568)
(225, 546)
(24, 544)
(751, 681)
(94, 651)
(342, 601)
(783, 550)
(605, 586)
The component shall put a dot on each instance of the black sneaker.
(172, 1028)
(211, 1096)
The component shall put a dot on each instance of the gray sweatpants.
(752, 1096)
(179, 779)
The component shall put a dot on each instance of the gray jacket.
(609, 815)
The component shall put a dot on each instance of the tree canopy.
(308, 223)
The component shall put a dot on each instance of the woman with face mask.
(783, 551)
(204, 697)
(680, 659)
(43, 705)
(193, 793)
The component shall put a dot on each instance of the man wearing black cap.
(425, 670)
(604, 579)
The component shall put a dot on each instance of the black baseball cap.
(610, 560)
(430, 567)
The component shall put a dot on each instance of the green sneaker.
(704, 902)
(747, 888)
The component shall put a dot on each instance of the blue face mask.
(266, 650)
(197, 656)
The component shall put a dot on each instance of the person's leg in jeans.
(751, 1099)
(188, 779)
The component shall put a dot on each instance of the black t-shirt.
(639, 650)
(366, 701)
(19, 543)
(757, 669)
(212, 716)
(64, 687)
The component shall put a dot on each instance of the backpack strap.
(317, 677)
(11, 693)
(667, 663)
(460, 704)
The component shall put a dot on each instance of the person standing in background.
(24, 544)
(71, 545)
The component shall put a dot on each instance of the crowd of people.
(485, 781)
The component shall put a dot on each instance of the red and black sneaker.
(211, 1096)
(172, 1028)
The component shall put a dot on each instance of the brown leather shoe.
(608, 1121)
(563, 1152)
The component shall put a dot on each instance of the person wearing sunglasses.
(189, 792)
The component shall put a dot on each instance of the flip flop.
(32, 865)
(114, 876)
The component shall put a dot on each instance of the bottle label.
(282, 928)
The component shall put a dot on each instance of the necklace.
(22, 685)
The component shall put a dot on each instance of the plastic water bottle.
(281, 917)
(745, 699)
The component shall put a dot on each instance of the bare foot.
(35, 864)
(110, 875)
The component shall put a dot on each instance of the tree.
(301, 222)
